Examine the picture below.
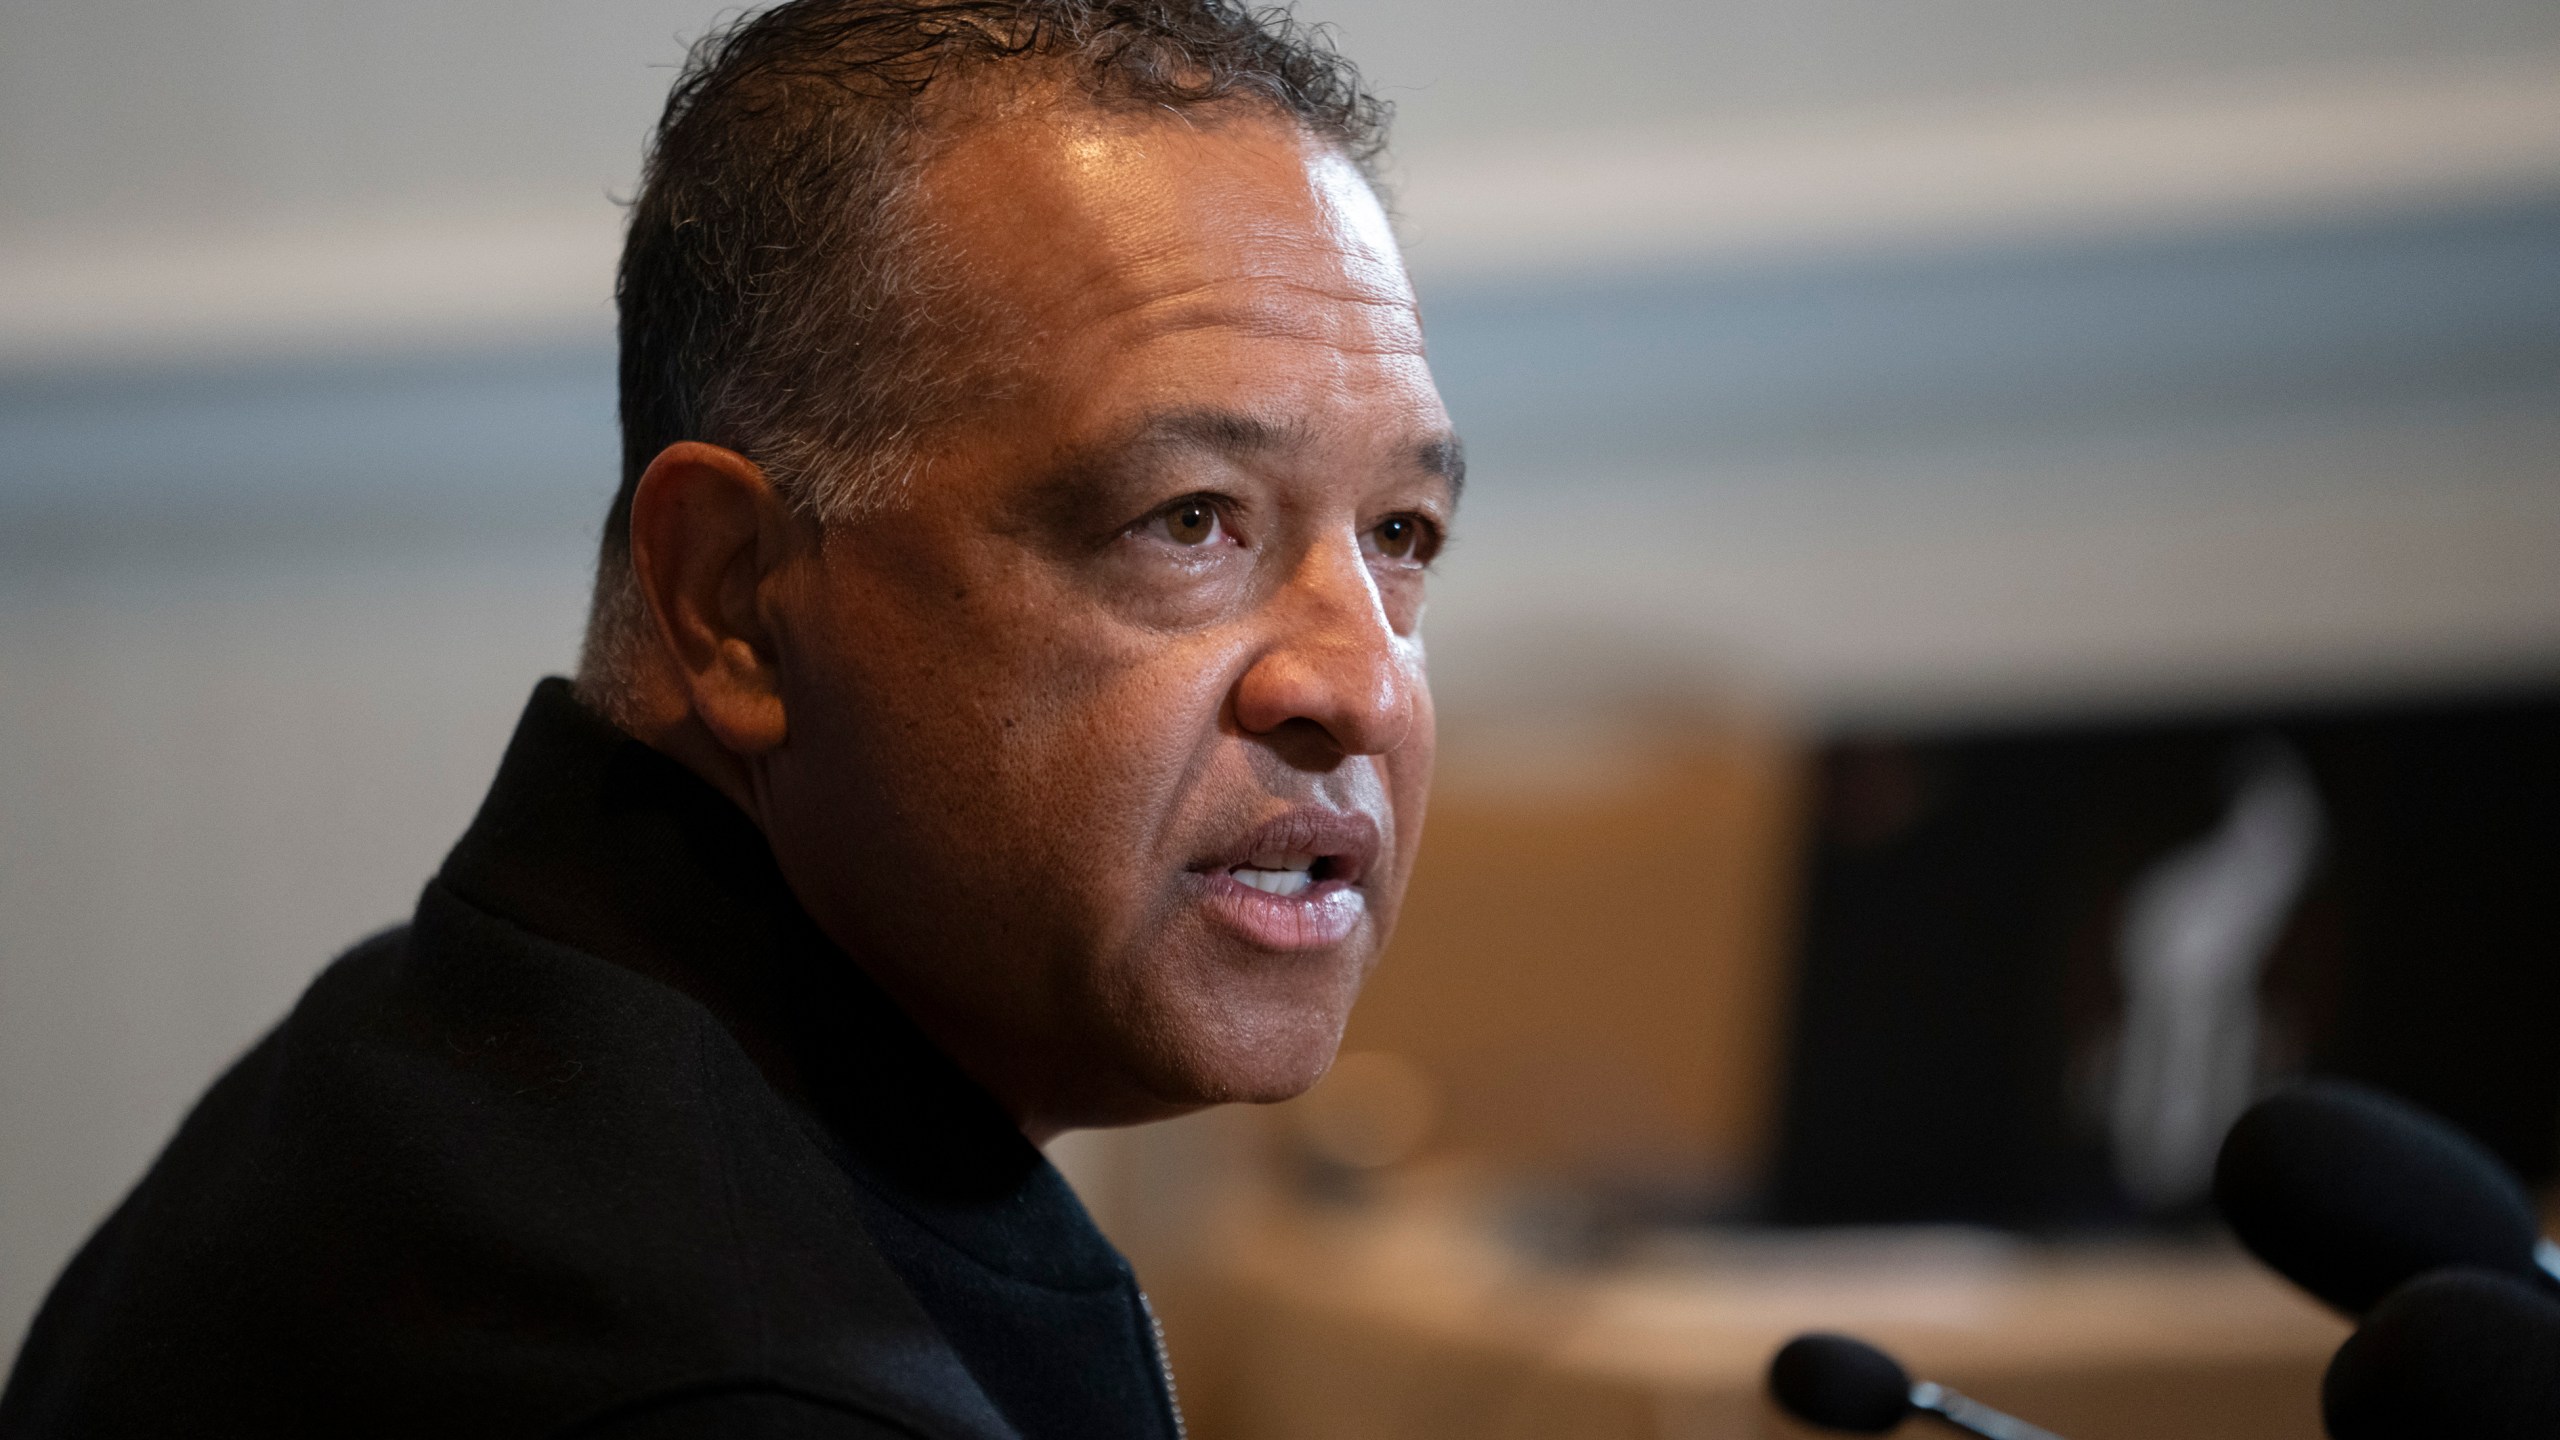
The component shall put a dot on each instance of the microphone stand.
(1972, 1416)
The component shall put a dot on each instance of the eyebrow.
(1238, 436)
(1222, 432)
(1446, 457)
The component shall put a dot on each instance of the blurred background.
(2010, 598)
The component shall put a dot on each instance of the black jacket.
(607, 1141)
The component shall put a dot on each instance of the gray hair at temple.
(779, 294)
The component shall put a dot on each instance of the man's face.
(1109, 738)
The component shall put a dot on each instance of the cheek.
(1408, 774)
(1107, 746)
(1065, 755)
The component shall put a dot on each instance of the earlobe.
(708, 534)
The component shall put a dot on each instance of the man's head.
(1030, 471)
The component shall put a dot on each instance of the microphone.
(2461, 1353)
(2350, 1193)
(1840, 1383)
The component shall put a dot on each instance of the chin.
(1268, 1078)
(1198, 1020)
(1251, 1054)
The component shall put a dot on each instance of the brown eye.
(1397, 538)
(1192, 522)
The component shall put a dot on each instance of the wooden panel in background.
(1409, 1319)
(1588, 968)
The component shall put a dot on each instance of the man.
(1003, 712)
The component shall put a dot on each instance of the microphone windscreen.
(2350, 1193)
(2455, 1355)
(1840, 1383)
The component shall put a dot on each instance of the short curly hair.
(776, 296)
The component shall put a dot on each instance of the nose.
(1334, 663)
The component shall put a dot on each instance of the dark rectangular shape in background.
(1960, 1043)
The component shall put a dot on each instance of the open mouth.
(1286, 875)
(1294, 882)
(1302, 851)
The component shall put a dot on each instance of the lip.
(1323, 915)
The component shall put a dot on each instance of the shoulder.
(494, 1184)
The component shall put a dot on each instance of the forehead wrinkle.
(1199, 306)
(1235, 433)
(1272, 327)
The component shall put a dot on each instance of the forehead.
(1078, 229)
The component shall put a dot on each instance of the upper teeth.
(1278, 874)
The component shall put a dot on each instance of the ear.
(708, 536)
